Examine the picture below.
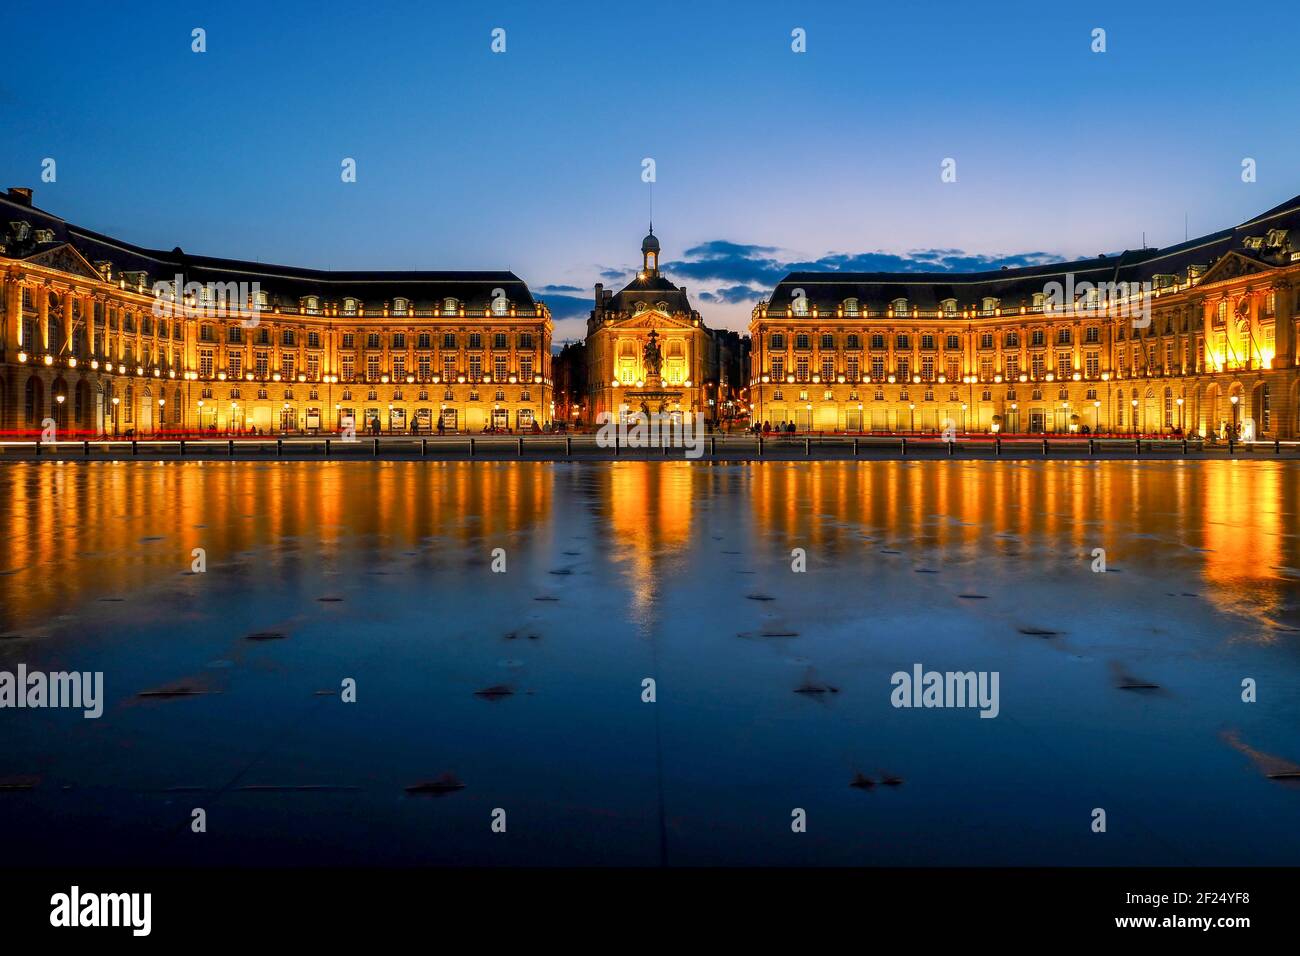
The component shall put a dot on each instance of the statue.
(654, 359)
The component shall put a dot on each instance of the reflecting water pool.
(503, 625)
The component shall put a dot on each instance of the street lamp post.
(1182, 429)
(911, 407)
(162, 415)
(116, 402)
(1135, 416)
(1234, 399)
(1096, 417)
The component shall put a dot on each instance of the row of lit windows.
(902, 340)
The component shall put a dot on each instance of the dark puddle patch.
(112, 600)
(11, 636)
(889, 551)
(1038, 632)
(813, 686)
(173, 691)
(924, 571)
(862, 782)
(495, 692)
(156, 537)
(324, 693)
(439, 786)
(329, 600)
(561, 571)
(266, 636)
(571, 554)
(889, 780)
(1126, 681)
(1270, 765)
(19, 782)
(731, 552)
(546, 597)
(973, 597)
(767, 633)
(759, 597)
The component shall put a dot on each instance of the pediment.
(66, 258)
(1234, 265)
(652, 319)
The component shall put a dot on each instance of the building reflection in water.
(77, 532)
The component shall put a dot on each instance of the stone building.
(1199, 338)
(104, 337)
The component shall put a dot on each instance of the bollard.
(568, 445)
(902, 446)
(713, 445)
(231, 448)
(807, 447)
(1044, 447)
(38, 448)
(950, 447)
(85, 448)
(376, 446)
(1184, 447)
(471, 448)
(855, 448)
(1092, 447)
(182, 448)
(279, 448)
(424, 447)
(760, 446)
(1277, 445)
(135, 450)
(997, 447)
(1230, 444)
(327, 448)
(521, 448)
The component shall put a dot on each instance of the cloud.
(566, 306)
(552, 289)
(737, 272)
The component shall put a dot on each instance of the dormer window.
(799, 305)
(310, 304)
(900, 306)
(1040, 298)
(349, 306)
(105, 269)
(449, 306)
(401, 306)
(44, 235)
(850, 306)
(662, 307)
(990, 303)
(639, 308)
(262, 300)
(949, 306)
(500, 305)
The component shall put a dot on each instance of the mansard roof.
(650, 289)
(285, 285)
(1015, 287)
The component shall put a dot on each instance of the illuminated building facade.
(1199, 337)
(96, 336)
(693, 373)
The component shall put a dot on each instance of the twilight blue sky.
(531, 160)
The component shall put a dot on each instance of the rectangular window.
(475, 367)
(262, 362)
(205, 363)
(526, 368)
(348, 367)
(372, 367)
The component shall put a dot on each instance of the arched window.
(349, 306)
(449, 306)
(900, 306)
(850, 306)
(401, 306)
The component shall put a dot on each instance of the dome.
(650, 243)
